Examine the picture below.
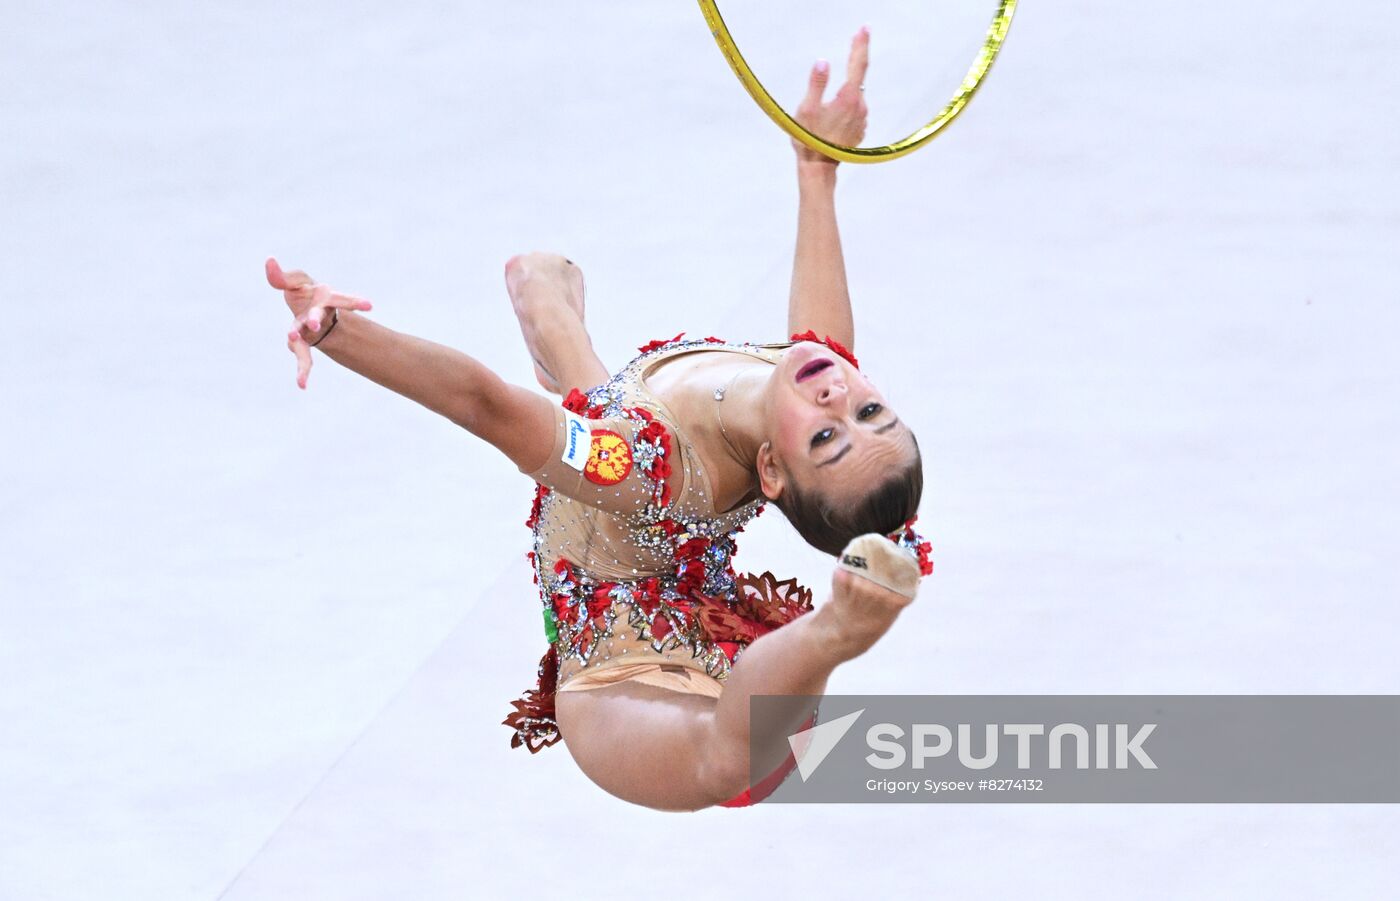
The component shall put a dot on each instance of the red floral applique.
(830, 342)
(662, 342)
(760, 605)
(653, 345)
(925, 558)
(540, 493)
(659, 469)
(576, 402)
(692, 549)
(533, 719)
(905, 536)
(600, 602)
(648, 596)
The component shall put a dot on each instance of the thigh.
(645, 744)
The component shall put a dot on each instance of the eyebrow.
(847, 449)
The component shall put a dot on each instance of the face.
(830, 430)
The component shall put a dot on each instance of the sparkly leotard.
(631, 557)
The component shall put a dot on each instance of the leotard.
(630, 555)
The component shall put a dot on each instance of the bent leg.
(547, 294)
(673, 751)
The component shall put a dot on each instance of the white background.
(1139, 304)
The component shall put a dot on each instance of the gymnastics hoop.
(991, 46)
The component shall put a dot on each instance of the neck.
(741, 412)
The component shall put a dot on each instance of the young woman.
(644, 479)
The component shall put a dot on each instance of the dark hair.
(829, 527)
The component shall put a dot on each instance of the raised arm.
(819, 299)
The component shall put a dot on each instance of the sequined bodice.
(626, 533)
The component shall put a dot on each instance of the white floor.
(1141, 305)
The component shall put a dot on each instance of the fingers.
(320, 295)
(349, 302)
(285, 281)
(816, 84)
(323, 298)
(275, 278)
(860, 58)
(298, 346)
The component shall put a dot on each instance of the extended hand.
(842, 121)
(308, 302)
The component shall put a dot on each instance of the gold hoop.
(991, 46)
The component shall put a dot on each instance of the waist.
(674, 677)
(621, 638)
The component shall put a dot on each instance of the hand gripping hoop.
(991, 46)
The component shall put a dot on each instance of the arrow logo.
(810, 746)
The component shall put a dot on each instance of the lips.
(812, 368)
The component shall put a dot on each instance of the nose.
(834, 391)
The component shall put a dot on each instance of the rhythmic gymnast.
(643, 480)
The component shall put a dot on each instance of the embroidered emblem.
(609, 458)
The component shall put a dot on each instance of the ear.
(770, 475)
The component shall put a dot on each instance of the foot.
(543, 286)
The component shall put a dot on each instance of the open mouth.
(812, 368)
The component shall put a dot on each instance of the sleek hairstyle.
(829, 527)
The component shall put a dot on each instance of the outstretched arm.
(556, 448)
(518, 422)
(819, 299)
(590, 460)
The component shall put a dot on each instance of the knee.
(723, 776)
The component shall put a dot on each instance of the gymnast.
(644, 478)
